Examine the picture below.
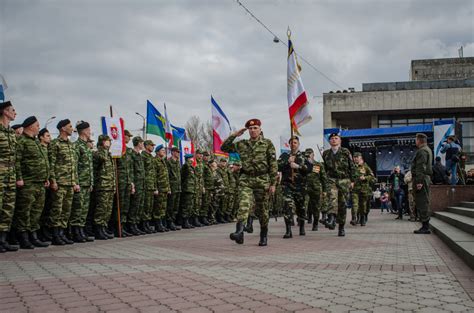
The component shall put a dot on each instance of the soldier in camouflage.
(44, 138)
(64, 181)
(341, 175)
(222, 214)
(317, 187)
(104, 187)
(257, 179)
(215, 190)
(208, 183)
(85, 170)
(421, 171)
(137, 198)
(151, 188)
(32, 177)
(199, 170)
(188, 190)
(174, 171)
(164, 190)
(362, 191)
(294, 168)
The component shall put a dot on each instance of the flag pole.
(288, 32)
(117, 197)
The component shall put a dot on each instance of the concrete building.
(438, 89)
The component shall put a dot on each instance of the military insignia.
(114, 131)
(316, 169)
(252, 122)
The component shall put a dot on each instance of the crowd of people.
(54, 191)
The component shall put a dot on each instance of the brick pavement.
(382, 267)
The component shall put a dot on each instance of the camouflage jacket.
(125, 168)
(199, 169)
(188, 178)
(295, 178)
(317, 180)
(232, 182)
(258, 157)
(162, 177)
(138, 170)
(224, 174)
(7, 156)
(150, 171)
(63, 163)
(339, 165)
(363, 185)
(174, 171)
(31, 161)
(85, 167)
(421, 166)
(208, 177)
(218, 188)
(104, 171)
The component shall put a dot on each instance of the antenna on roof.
(460, 51)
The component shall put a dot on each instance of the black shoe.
(219, 219)
(301, 225)
(238, 236)
(145, 228)
(353, 221)
(12, 238)
(341, 232)
(263, 236)
(45, 234)
(204, 221)
(36, 242)
(196, 222)
(159, 227)
(323, 219)
(64, 238)
(310, 218)
(249, 227)
(106, 233)
(163, 224)
(4, 245)
(425, 229)
(56, 238)
(362, 220)
(288, 233)
(315, 225)
(171, 225)
(134, 230)
(331, 223)
(86, 237)
(99, 233)
(76, 235)
(190, 222)
(124, 231)
(25, 241)
(186, 224)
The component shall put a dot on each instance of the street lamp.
(49, 121)
(144, 125)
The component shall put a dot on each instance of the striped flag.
(220, 128)
(168, 131)
(297, 98)
(3, 87)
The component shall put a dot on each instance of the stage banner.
(442, 129)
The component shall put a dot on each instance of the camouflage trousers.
(29, 206)
(136, 205)
(148, 205)
(7, 205)
(214, 202)
(206, 203)
(159, 206)
(411, 203)
(338, 197)
(124, 199)
(187, 204)
(80, 207)
(172, 208)
(231, 205)
(314, 204)
(422, 201)
(360, 203)
(104, 200)
(223, 207)
(293, 202)
(61, 203)
(254, 191)
(198, 199)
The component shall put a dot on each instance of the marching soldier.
(137, 198)
(64, 181)
(257, 179)
(151, 188)
(85, 170)
(362, 190)
(340, 170)
(199, 169)
(222, 214)
(164, 190)
(188, 190)
(174, 171)
(294, 168)
(421, 171)
(104, 187)
(208, 183)
(316, 183)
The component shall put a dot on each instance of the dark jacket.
(440, 174)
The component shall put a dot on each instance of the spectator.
(440, 173)
(411, 198)
(396, 179)
(384, 202)
(452, 149)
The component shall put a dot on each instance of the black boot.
(45, 234)
(263, 236)
(12, 238)
(315, 225)
(331, 223)
(341, 232)
(219, 219)
(190, 222)
(4, 245)
(159, 227)
(288, 233)
(425, 229)
(353, 221)
(124, 231)
(56, 238)
(64, 238)
(76, 235)
(145, 228)
(99, 233)
(362, 220)
(163, 224)
(323, 219)
(85, 236)
(36, 242)
(186, 224)
(106, 233)
(25, 241)
(171, 225)
(301, 225)
(249, 226)
(196, 222)
(238, 236)
(204, 221)
(133, 229)
(310, 217)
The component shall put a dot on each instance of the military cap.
(421, 135)
(136, 140)
(188, 156)
(42, 132)
(63, 123)
(16, 126)
(223, 160)
(237, 163)
(5, 105)
(205, 153)
(357, 154)
(82, 125)
(101, 139)
(175, 149)
(211, 161)
(127, 133)
(159, 147)
(29, 121)
(253, 122)
(149, 143)
(198, 151)
(308, 151)
(334, 135)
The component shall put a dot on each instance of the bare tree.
(200, 133)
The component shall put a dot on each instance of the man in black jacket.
(440, 173)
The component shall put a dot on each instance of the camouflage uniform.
(138, 198)
(32, 167)
(174, 171)
(159, 208)
(104, 186)
(150, 186)
(85, 171)
(7, 177)
(421, 171)
(125, 180)
(63, 165)
(223, 209)
(198, 198)
(362, 191)
(317, 184)
(231, 195)
(208, 182)
(216, 192)
(188, 189)
(340, 170)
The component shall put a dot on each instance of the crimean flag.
(114, 128)
(297, 98)
(155, 122)
(220, 128)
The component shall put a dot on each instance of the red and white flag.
(297, 98)
(220, 128)
(168, 131)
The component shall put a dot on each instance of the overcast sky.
(75, 58)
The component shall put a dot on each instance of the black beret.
(63, 123)
(5, 105)
(42, 132)
(334, 135)
(29, 121)
(16, 126)
(82, 125)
